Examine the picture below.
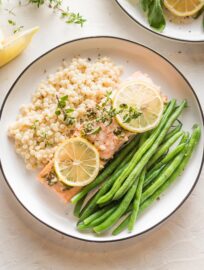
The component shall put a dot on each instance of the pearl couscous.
(75, 101)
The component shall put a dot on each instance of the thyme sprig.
(16, 28)
(67, 112)
(56, 6)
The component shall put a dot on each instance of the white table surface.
(178, 243)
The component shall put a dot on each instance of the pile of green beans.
(137, 176)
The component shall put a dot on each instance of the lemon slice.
(142, 98)
(14, 45)
(76, 162)
(184, 8)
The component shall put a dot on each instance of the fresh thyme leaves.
(69, 120)
(89, 129)
(67, 112)
(91, 114)
(51, 178)
(72, 17)
(11, 22)
(16, 29)
(118, 132)
(34, 126)
(56, 5)
(62, 102)
(107, 99)
(61, 105)
(131, 113)
(107, 112)
(37, 2)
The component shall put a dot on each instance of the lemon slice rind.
(133, 97)
(184, 8)
(76, 162)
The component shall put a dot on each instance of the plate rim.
(154, 31)
(119, 39)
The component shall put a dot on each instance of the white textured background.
(178, 244)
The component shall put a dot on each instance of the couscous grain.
(61, 108)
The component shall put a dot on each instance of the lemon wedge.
(140, 105)
(14, 45)
(76, 162)
(184, 8)
(1, 39)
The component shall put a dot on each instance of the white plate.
(43, 204)
(187, 30)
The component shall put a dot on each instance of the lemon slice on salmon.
(184, 8)
(140, 106)
(14, 45)
(76, 162)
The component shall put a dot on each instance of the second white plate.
(186, 30)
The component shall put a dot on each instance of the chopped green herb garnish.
(70, 110)
(118, 131)
(67, 112)
(91, 114)
(11, 22)
(132, 113)
(69, 121)
(18, 29)
(95, 131)
(57, 112)
(62, 101)
(34, 126)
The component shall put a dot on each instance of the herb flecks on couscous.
(75, 101)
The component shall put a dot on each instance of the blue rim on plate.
(154, 31)
(138, 44)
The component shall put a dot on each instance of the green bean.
(185, 138)
(172, 132)
(103, 217)
(91, 205)
(97, 221)
(78, 206)
(123, 225)
(192, 144)
(115, 216)
(88, 208)
(108, 170)
(152, 175)
(143, 138)
(173, 153)
(165, 174)
(168, 157)
(139, 167)
(97, 214)
(136, 202)
(154, 172)
(164, 147)
(190, 148)
(81, 226)
(138, 155)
